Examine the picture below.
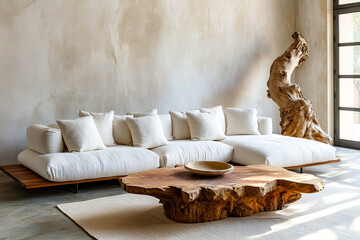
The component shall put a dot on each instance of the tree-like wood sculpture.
(244, 191)
(298, 118)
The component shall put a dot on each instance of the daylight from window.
(349, 60)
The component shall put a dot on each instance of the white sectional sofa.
(45, 159)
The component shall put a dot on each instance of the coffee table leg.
(195, 211)
(211, 210)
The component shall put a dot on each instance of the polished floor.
(32, 214)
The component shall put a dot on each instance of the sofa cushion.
(43, 139)
(180, 126)
(122, 134)
(264, 125)
(205, 126)
(104, 125)
(81, 134)
(152, 112)
(185, 151)
(241, 121)
(109, 162)
(166, 124)
(219, 112)
(146, 132)
(278, 150)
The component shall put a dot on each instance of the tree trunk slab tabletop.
(190, 198)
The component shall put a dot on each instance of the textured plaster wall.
(57, 57)
(314, 21)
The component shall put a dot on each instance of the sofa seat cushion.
(278, 150)
(109, 162)
(185, 151)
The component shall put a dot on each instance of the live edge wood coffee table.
(189, 198)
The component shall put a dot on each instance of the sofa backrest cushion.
(241, 121)
(265, 125)
(81, 134)
(152, 112)
(43, 139)
(180, 126)
(166, 125)
(122, 134)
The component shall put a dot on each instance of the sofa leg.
(301, 170)
(73, 188)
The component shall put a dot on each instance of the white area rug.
(131, 216)
(333, 213)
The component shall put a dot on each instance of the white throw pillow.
(180, 126)
(219, 112)
(81, 134)
(146, 132)
(104, 124)
(152, 112)
(241, 121)
(205, 126)
(122, 134)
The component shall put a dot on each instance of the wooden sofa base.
(30, 180)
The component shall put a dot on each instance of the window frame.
(338, 10)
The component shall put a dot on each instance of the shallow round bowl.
(209, 168)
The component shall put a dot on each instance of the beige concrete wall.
(57, 57)
(314, 21)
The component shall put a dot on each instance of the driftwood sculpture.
(298, 118)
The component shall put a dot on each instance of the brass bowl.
(209, 168)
